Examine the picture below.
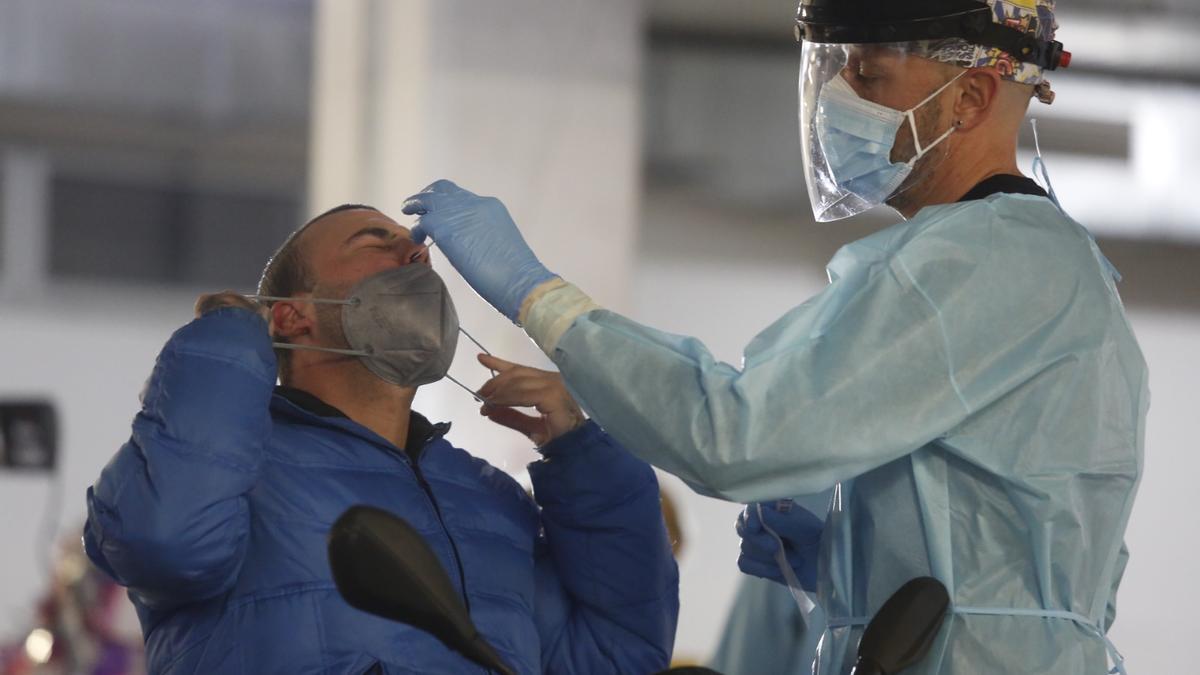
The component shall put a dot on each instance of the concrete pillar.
(534, 102)
(24, 222)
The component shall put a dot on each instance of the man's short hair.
(287, 271)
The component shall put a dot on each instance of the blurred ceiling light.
(1157, 45)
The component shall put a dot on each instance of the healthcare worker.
(967, 383)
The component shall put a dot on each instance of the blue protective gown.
(969, 385)
(764, 633)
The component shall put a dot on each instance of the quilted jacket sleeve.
(608, 586)
(168, 516)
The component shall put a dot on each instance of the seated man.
(215, 513)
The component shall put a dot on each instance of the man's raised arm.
(168, 516)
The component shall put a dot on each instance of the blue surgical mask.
(857, 136)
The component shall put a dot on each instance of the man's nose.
(411, 252)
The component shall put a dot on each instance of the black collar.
(1004, 183)
(420, 429)
(308, 402)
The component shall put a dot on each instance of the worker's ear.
(292, 320)
(976, 96)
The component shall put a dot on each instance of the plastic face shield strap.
(356, 352)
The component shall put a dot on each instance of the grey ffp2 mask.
(401, 323)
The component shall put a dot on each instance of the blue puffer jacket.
(215, 515)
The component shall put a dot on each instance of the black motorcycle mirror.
(904, 628)
(383, 566)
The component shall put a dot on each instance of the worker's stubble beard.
(932, 122)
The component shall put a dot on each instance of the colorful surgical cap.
(1028, 16)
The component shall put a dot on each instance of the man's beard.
(329, 317)
(930, 127)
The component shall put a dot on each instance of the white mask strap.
(361, 353)
(472, 339)
(314, 301)
(939, 90)
(314, 348)
(912, 122)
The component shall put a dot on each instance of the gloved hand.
(800, 532)
(480, 239)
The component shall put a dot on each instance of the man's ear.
(978, 95)
(290, 320)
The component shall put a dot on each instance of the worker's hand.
(480, 239)
(800, 532)
(213, 301)
(521, 386)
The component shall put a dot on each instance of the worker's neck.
(966, 165)
(347, 385)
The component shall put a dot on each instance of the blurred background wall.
(151, 150)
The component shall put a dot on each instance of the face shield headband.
(828, 22)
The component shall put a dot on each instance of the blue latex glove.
(801, 535)
(480, 239)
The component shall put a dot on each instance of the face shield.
(863, 126)
(849, 128)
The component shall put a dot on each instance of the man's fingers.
(497, 383)
(511, 381)
(497, 364)
(526, 392)
(515, 420)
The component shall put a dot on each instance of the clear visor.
(848, 129)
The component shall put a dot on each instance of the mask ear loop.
(354, 302)
(472, 339)
(477, 397)
(474, 395)
(1039, 165)
(912, 123)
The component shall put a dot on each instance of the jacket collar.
(302, 404)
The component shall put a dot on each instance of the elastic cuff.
(549, 311)
(535, 295)
(585, 434)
